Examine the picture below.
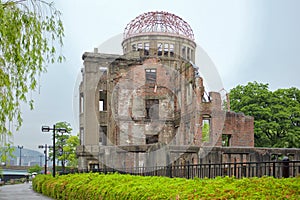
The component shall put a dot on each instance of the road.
(20, 191)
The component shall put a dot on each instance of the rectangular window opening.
(171, 50)
(146, 49)
(139, 46)
(205, 130)
(159, 49)
(150, 75)
(152, 109)
(102, 100)
(188, 53)
(183, 52)
(226, 140)
(166, 50)
(101, 105)
(81, 103)
(151, 139)
(103, 135)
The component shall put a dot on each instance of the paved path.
(20, 191)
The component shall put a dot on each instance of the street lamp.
(20, 147)
(61, 130)
(45, 152)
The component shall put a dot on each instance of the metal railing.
(277, 169)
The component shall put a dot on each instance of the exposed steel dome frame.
(158, 23)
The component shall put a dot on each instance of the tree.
(70, 151)
(60, 142)
(30, 33)
(65, 146)
(5, 154)
(35, 168)
(276, 114)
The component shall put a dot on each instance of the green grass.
(115, 186)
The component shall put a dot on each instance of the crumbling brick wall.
(182, 108)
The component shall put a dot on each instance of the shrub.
(115, 186)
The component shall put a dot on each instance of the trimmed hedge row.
(115, 186)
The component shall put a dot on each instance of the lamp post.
(20, 147)
(47, 129)
(45, 152)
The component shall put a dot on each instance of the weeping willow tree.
(31, 32)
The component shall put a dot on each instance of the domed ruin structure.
(149, 107)
(161, 23)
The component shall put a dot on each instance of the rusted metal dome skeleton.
(158, 23)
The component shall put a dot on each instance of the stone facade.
(149, 106)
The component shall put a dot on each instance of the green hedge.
(115, 186)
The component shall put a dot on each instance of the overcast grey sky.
(248, 40)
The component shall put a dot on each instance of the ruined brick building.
(149, 106)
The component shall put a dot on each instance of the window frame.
(148, 104)
(153, 139)
(150, 75)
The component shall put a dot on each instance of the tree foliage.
(65, 146)
(30, 33)
(276, 113)
(35, 168)
(70, 151)
(205, 132)
(5, 154)
(60, 139)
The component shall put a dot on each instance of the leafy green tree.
(276, 114)
(65, 146)
(70, 151)
(60, 142)
(31, 31)
(5, 154)
(35, 168)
